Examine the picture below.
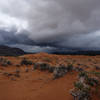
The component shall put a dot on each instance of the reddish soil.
(37, 85)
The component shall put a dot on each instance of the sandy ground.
(37, 85)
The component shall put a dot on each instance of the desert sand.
(39, 85)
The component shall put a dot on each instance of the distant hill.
(9, 51)
(78, 52)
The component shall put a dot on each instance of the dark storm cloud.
(13, 38)
(50, 23)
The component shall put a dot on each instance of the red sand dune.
(37, 85)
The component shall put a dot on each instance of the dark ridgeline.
(9, 51)
(78, 52)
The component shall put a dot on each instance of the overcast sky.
(43, 25)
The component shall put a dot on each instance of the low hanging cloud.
(50, 24)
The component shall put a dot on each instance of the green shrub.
(7, 74)
(26, 62)
(51, 69)
(43, 66)
(78, 85)
(9, 63)
(95, 73)
(83, 74)
(17, 75)
(92, 81)
(70, 67)
(5, 62)
(84, 88)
